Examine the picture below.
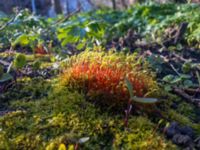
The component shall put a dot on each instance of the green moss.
(20, 61)
(187, 110)
(179, 117)
(26, 88)
(141, 136)
(184, 120)
(65, 117)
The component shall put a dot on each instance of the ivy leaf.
(77, 32)
(94, 26)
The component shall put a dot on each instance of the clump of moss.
(101, 76)
(20, 61)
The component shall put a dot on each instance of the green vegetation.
(98, 27)
(66, 117)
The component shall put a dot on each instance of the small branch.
(5, 63)
(187, 97)
(68, 16)
(180, 57)
(192, 91)
(172, 66)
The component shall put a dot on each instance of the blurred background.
(51, 8)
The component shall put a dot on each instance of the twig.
(187, 97)
(192, 91)
(5, 63)
(62, 20)
(180, 57)
(172, 66)
(68, 16)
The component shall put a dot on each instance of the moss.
(26, 88)
(101, 76)
(20, 61)
(184, 120)
(179, 117)
(187, 110)
(64, 117)
(141, 136)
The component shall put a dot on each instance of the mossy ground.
(65, 117)
(44, 114)
(37, 113)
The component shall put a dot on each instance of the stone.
(182, 140)
(186, 130)
(172, 130)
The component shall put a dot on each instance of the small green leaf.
(144, 100)
(138, 99)
(80, 46)
(129, 86)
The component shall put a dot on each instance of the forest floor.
(70, 99)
